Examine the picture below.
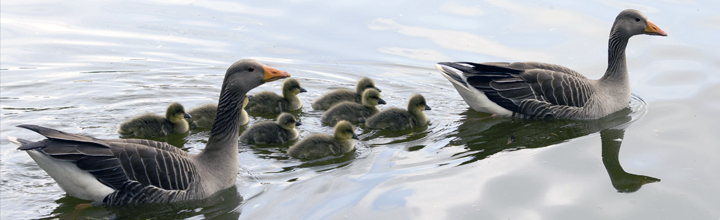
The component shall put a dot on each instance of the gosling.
(323, 145)
(272, 103)
(152, 125)
(399, 119)
(268, 132)
(203, 117)
(340, 95)
(353, 112)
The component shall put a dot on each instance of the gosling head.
(371, 98)
(292, 86)
(345, 131)
(417, 103)
(365, 83)
(287, 121)
(632, 22)
(176, 113)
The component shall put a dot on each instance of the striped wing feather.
(528, 88)
(128, 166)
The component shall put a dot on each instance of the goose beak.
(652, 29)
(381, 102)
(302, 90)
(272, 74)
(427, 107)
(186, 115)
(355, 137)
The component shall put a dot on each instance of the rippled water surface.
(86, 66)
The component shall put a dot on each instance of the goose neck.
(617, 65)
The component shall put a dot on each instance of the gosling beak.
(652, 29)
(302, 90)
(427, 107)
(186, 115)
(376, 88)
(297, 123)
(272, 74)
(355, 137)
(381, 102)
(250, 97)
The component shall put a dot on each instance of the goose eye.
(637, 19)
(250, 69)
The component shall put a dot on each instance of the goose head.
(176, 113)
(365, 83)
(371, 98)
(287, 121)
(247, 74)
(344, 131)
(292, 87)
(417, 103)
(632, 22)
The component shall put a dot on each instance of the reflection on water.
(485, 136)
(621, 180)
(222, 205)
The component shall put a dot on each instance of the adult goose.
(152, 125)
(132, 171)
(541, 90)
(341, 95)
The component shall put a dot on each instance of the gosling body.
(401, 119)
(271, 103)
(152, 125)
(342, 95)
(322, 145)
(203, 116)
(272, 132)
(353, 112)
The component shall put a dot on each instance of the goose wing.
(528, 88)
(138, 173)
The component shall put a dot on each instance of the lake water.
(86, 66)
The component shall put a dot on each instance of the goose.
(541, 90)
(271, 103)
(340, 95)
(400, 119)
(272, 132)
(152, 125)
(352, 111)
(203, 117)
(322, 145)
(136, 171)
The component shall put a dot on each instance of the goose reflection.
(621, 180)
(485, 136)
(223, 205)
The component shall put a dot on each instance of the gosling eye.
(251, 69)
(349, 131)
(637, 19)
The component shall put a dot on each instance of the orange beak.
(653, 29)
(272, 74)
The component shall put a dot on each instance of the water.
(86, 66)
